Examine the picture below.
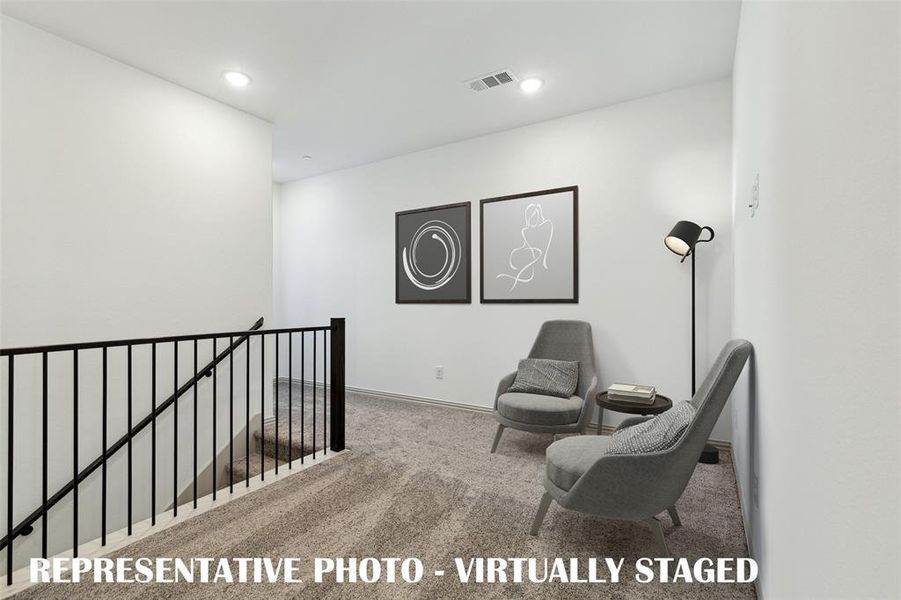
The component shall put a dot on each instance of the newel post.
(336, 359)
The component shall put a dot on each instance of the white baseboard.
(396, 396)
(421, 399)
(606, 429)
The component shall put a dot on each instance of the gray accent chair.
(580, 476)
(557, 340)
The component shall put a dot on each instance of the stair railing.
(332, 430)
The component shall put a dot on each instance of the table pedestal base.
(710, 455)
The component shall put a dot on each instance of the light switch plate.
(755, 195)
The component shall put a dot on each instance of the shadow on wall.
(753, 509)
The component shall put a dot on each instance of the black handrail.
(160, 408)
(157, 340)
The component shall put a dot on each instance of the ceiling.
(349, 83)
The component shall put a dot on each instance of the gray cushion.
(568, 459)
(654, 435)
(546, 376)
(538, 409)
(568, 340)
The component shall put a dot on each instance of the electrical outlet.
(439, 372)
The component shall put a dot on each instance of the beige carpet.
(419, 481)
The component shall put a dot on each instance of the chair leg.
(674, 516)
(539, 516)
(497, 438)
(658, 533)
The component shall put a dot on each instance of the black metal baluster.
(276, 400)
(247, 415)
(303, 391)
(75, 453)
(336, 385)
(153, 434)
(325, 406)
(103, 419)
(215, 423)
(175, 430)
(44, 457)
(291, 403)
(231, 415)
(195, 422)
(262, 401)
(11, 376)
(130, 435)
(314, 395)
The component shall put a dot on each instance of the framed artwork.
(530, 247)
(432, 255)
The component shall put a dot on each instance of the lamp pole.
(682, 240)
(693, 370)
(693, 328)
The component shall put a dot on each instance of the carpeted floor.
(419, 482)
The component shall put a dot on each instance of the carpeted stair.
(295, 435)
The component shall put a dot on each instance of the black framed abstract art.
(432, 255)
(530, 247)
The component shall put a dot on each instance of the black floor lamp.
(682, 240)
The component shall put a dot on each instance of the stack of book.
(636, 394)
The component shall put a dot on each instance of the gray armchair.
(580, 476)
(557, 340)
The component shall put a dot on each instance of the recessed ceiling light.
(236, 78)
(307, 157)
(531, 85)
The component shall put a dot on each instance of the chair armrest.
(588, 403)
(504, 385)
(633, 421)
(592, 390)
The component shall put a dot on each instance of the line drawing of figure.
(523, 259)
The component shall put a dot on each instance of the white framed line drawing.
(529, 247)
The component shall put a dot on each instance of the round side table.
(661, 403)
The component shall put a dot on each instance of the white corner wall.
(640, 166)
(131, 207)
(817, 271)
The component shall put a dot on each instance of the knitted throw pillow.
(654, 435)
(548, 377)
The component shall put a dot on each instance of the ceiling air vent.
(491, 80)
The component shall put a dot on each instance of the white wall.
(130, 207)
(817, 291)
(276, 242)
(640, 167)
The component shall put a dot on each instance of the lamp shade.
(683, 237)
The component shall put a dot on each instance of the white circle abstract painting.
(432, 254)
(451, 248)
